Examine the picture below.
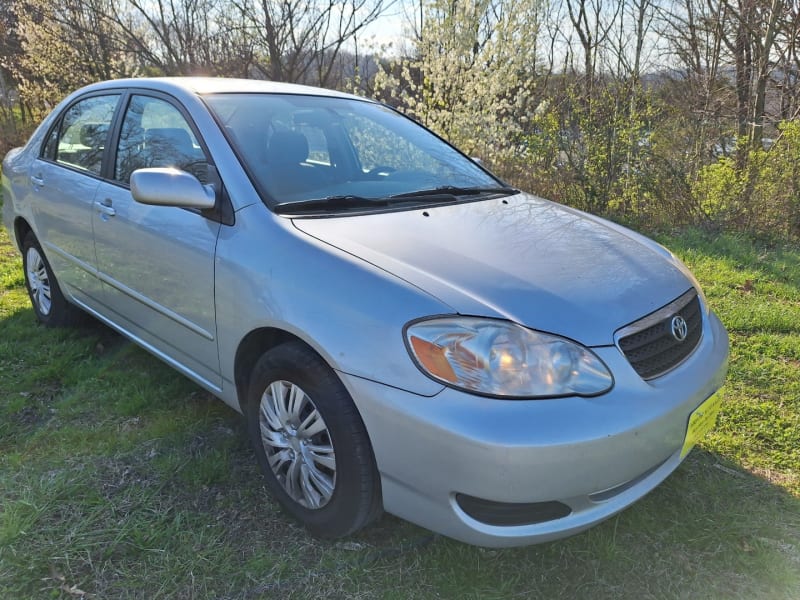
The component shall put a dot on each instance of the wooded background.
(658, 112)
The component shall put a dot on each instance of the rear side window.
(155, 134)
(80, 140)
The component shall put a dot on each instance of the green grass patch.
(121, 479)
(755, 289)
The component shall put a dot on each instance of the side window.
(81, 138)
(155, 134)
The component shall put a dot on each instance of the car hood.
(522, 258)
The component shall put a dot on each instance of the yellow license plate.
(701, 421)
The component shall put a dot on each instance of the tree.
(64, 45)
(471, 77)
(593, 24)
(183, 37)
(300, 41)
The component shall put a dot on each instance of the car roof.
(214, 85)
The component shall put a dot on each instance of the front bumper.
(595, 455)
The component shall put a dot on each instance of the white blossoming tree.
(471, 76)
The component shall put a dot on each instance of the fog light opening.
(509, 514)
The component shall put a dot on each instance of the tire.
(311, 443)
(49, 304)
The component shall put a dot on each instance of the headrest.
(94, 135)
(174, 136)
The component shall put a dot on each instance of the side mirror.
(171, 187)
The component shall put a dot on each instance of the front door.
(156, 262)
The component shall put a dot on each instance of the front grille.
(649, 344)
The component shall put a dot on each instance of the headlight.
(499, 358)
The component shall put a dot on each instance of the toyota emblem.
(679, 328)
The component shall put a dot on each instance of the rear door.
(64, 180)
(156, 262)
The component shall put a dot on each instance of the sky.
(389, 31)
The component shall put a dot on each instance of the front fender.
(269, 274)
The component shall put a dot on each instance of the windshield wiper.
(444, 194)
(346, 201)
(351, 201)
(452, 190)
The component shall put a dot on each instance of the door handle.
(104, 207)
(37, 180)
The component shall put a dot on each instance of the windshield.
(304, 148)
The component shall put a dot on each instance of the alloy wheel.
(298, 444)
(38, 281)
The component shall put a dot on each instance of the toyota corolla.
(401, 329)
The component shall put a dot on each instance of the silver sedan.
(402, 330)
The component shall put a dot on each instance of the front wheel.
(49, 304)
(311, 443)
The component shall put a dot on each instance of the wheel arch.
(21, 229)
(251, 348)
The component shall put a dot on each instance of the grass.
(121, 479)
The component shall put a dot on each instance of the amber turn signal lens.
(433, 359)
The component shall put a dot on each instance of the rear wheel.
(49, 304)
(311, 443)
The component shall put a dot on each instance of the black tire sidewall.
(59, 307)
(356, 497)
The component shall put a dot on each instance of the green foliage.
(593, 152)
(778, 189)
(760, 191)
(656, 154)
(718, 188)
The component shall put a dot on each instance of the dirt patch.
(39, 406)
